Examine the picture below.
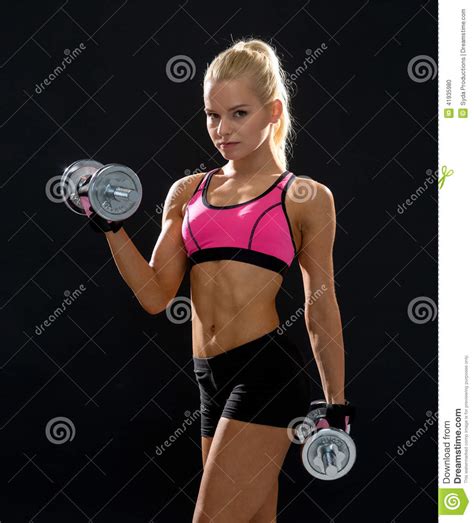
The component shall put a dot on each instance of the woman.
(238, 228)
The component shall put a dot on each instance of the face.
(234, 114)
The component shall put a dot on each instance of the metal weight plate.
(70, 180)
(341, 447)
(115, 192)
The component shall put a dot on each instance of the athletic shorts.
(261, 381)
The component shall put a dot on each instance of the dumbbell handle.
(121, 193)
(328, 457)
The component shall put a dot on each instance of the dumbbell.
(327, 453)
(112, 191)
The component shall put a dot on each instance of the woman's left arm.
(322, 316)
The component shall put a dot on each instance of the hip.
(272, 360)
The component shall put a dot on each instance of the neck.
(262, 161)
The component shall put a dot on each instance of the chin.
(231, 156)
(234, 154)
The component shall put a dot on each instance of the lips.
(228, 144)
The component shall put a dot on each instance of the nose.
(223, 129)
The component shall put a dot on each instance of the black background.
(124, 378)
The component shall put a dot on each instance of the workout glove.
(340, 415)
(99, 224)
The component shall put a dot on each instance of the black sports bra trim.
(211, 206)
(257, 221)
(191, 231)
(199, 185)
(267, 261)
(285, 212)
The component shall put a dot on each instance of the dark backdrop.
(123, 380)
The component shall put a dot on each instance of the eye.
(212, 115)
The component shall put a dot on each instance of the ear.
(277, 110)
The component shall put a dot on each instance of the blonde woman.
(238, 228)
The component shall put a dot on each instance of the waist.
(222, 291)
(222, 332)
(271, 346)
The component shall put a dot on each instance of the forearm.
(136, 271)
(325, 333)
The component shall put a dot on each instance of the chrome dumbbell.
(113, 191)
(327, 453)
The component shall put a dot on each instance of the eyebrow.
(231, 108)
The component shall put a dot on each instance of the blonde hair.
(258, 61)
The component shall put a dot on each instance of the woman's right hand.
(101, 225)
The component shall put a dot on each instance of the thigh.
(267, 512)
(206, 442)
(212, 401)
(274, 389)
(243, 464)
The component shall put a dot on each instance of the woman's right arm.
(155, 283)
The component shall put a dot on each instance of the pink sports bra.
(257, 231)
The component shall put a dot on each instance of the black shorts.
(261, 381)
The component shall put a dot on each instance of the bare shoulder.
(181, 191)
(313, 201)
